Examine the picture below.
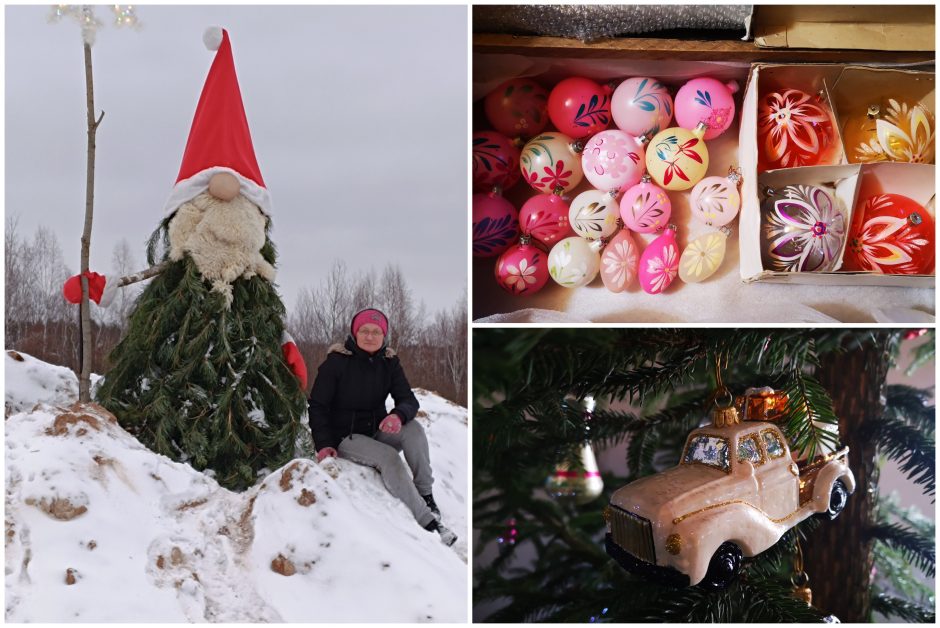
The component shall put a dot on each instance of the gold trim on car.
(728, 503)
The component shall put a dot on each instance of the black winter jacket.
(349, 393)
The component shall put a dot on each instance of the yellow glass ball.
(677, 158)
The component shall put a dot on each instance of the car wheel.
(723, 567)
(837, 499)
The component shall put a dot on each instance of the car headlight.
(674, 544)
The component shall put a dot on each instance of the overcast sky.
(358, 116)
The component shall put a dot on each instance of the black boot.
(429, 500)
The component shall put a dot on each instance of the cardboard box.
(845, 86)
(846, 27)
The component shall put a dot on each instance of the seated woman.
(348, 417)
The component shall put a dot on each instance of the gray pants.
(381, 453)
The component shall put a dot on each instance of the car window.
(749, 450)
(772, 444)
(708, 450)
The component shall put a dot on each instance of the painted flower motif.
(713, 199)
(670, 146)
(556, 178)
(703, 255)
(519, 279)
(792, 127)
(609, 155)
(905, 134)
(620, 259)
(532, 179)
(887, 240)
(805, 231)
(663, 269)
(718, 117)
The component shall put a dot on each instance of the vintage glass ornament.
(522, 269)
(581, 486)
(898, 132)
(495, 224)
(574, 262)
(551, 162)
(706, 100)
(495, 161)
(659, 262)
(703, 256)
(594, 214)
(716, 200)
(803, 229)
(891, 234)
(579, 107)
(614, 160)
(517, 108)
(794, 129)
(641, 106)
(545, 218)
(677, 158)
(645, 207)
(619, 262)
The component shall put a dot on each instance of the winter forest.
(40, 322)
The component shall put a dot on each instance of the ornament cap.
(525, 238)
(725, 230)
(700, 129)
(723, 417)
(873, 111)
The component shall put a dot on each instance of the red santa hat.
(219, 140)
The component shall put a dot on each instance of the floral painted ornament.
(716, 200)
(594, 214)
(645, 208)
(517, 108)
(677, 158)
(892, 234)
(574, 261)
(707, 101)
(521, 270)
(614, 160)
(551, 163)
(579, 107)
(794, 129)
(495, 224)
(903, 133)
(659, 263)
(803, 229)
(619, 262)
(495, 161)
(703, 256)
(545, 218)
(641, 106)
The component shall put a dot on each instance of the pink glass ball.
(641, 106)
(495, 224)
(659, 263)
(715, 200)
(549, 163)
(619, 262)
(579, 107)
(613, 160)
(545, 218)
(645, 208)
(517, 108)
(495, 161)
(706, 100)
(522, 270)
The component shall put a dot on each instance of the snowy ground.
(101, 529)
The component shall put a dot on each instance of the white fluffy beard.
(223, 238)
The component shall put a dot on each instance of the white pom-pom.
(212, 38)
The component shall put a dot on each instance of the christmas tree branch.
(909, 447)
(891, 606)
(917, 548)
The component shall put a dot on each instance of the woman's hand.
(326, 452)
(391, 424)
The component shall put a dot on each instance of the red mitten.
(391, 424)
(294, 360)
(326, 452)
(72, 290)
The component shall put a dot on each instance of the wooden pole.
(84, 380)
(838, 555)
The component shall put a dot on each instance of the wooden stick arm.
(153, 271)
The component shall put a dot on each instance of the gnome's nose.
(224, 186)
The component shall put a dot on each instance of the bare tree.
(123, 263)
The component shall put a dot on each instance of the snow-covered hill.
(101, 529)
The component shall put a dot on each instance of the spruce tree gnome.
(206, 373)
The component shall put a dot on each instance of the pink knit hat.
(369, 316)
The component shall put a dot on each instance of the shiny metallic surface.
(634, 534)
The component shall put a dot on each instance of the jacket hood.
(656, 496)
(351, 348)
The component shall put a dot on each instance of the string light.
(124, 15)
